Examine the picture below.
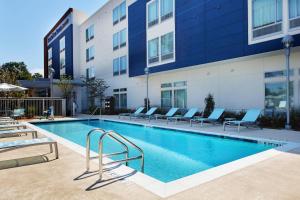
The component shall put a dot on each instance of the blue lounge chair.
(248, 120)
(170, 113)
(189, 115)
(137, 112)
(212, 118)
(5, 146)
(18, 113)
(146, 115)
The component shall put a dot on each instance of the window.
(90, 52)
(167, 46)
(119, 39)
(116, 67)
(120, 66)
(294, 13)
(119, 13)
(153, 13)
(275, 93)
(116, 15)
(266, 17)
(123, 65)
(280, 73)
(62, 54)
(49, 57)
(90, 72)
(174, 95)
(123, 11)
(166, 7)
(49, 53)
(153, 49)
(62, 44)
(120, 98)
(116, 41)
(123, 38)
(180, 97)
(62, 60)
(166, 99)
(89, 33)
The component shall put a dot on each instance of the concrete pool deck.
(275, 178)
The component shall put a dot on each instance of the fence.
(33, 106)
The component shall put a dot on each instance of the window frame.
(118, 92)
(64, 42)
(118, 60)
(88, 53)
(161, 18)
(285, 27)
(88, 31)
(118, 10)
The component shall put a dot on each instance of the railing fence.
(33, 106)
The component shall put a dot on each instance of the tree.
(36, 76)
(65, 85)
(209, 104)
(14, 71)
(96, 89)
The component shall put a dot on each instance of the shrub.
(209, 105)
(30, 111)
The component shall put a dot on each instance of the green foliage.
(209, 105)
(65, 85)
(12, 71)
(96, 89)
(30, 111)
(36, 76)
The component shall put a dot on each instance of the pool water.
(169, 154)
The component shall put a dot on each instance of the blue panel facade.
(68, 33)
(206, 31)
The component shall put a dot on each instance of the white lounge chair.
(12, 126)
(212, 118)
(4, 146)
(18, 132)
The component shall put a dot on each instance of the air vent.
(167, 56)
(153, 23)
(167, 16)
(267, 30)
(153, 60)
(295, 23)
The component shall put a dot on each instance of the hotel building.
(230, 48)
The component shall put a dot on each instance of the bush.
(30, 111)
(209, 105)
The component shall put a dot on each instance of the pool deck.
(42, 177)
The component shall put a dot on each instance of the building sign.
(61, 27)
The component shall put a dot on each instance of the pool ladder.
(117, 138)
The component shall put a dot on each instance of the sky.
(24, 23)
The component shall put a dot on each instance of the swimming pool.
(169, 154)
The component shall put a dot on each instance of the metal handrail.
(93, 113)
(88, 144)
(116, 135)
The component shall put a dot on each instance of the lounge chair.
(146, 115)
(12, 126)
(189, 115)
(18, 113)
(170, 113)
(137, 112)
(18, 132)
(212, 118)
(249, 119)
(4, 146)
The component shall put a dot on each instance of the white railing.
(33, 106)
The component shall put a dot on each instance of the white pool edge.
(167, 189)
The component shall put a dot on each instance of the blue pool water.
(169, 154)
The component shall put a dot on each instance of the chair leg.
(224, 126)
(191, 122)
(56, 150)
(51, 148)
(239, 126)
